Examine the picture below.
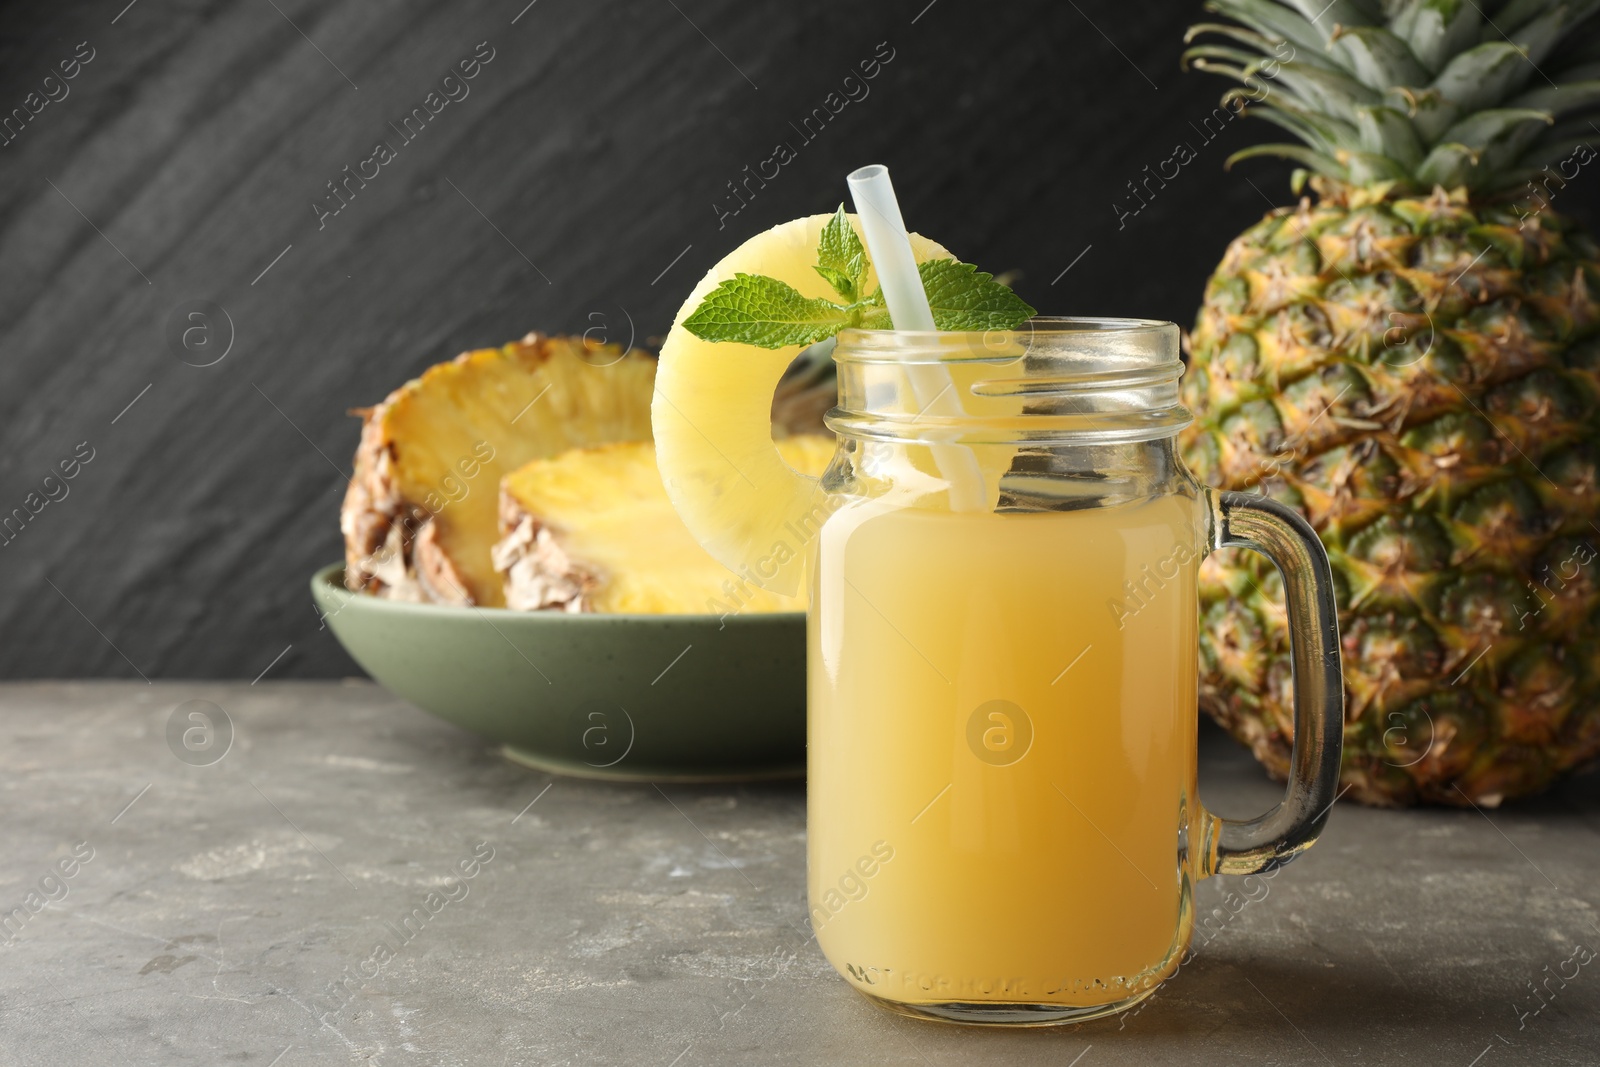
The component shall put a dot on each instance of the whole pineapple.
(1412, 359)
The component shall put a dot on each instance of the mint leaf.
(966, 298)
(961, 296)
(752, 309)
(842, 283)
(841, 259)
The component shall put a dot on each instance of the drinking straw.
(890, 247)
(931, 386)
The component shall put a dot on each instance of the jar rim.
(1060, 379)
(1038, 324)
(1155, 340)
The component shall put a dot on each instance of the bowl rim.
(331, 578)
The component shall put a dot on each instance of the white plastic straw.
(890, 247)
(931, 386)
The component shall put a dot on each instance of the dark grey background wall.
(581, 176)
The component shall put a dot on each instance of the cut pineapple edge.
(420, 516)
(592, 530)
(732, 485)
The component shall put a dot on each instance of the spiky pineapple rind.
(1447, 451)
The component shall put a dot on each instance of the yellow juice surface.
(1001, 750)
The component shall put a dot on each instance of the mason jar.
(1003, 660)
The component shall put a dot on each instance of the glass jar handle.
(1244, 520)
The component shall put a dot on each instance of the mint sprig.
(753, 309)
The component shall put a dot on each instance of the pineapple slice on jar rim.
(711, 417)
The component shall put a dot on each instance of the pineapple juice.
(1001, 750)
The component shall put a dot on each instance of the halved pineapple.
(419, 516)
(592, 530)
(711, 417)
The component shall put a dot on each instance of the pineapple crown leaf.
(1298, 153)
(1238, 33)
(1415, 92)
(764, 312)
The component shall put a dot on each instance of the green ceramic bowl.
(637, 697)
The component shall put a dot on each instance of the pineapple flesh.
(592, 530)
(1412, 359)
(419, 516)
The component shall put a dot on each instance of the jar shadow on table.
(1237, 993)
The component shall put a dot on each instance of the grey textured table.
(229, 912)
